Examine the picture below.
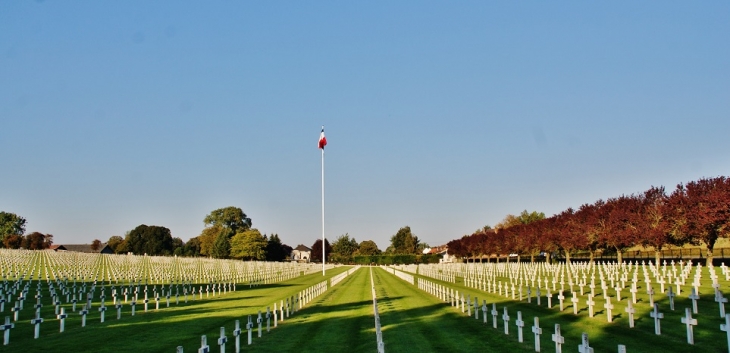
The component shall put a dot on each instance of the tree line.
(694, 213)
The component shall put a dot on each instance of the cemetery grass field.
(341, 320)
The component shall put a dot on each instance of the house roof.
(301, 247)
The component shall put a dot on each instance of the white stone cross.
(694, 296)
(549, 297)
(574, 299)
(633, 291)
(584, 347)
(721, 302)
(237, 335)
(6, 327)
(537, 331)
(222, 340)
(631, 311)
(484, 311)
(520, 324)
(249, 327)
(609, 307)
(650, 292)
(37, 322)
(690, 322)
(590, 303)
(102, 309)
(671, 296)
(16, 310)
(558, 339)
(476, 308)
(494, 315)
(259, 321)
(83, 313)
(505, 317)
(62, 318)
(726, 328)
(657, 317)
(268, 319)
(538, 295)
(561, 298)
(204, 348)
(468, 305)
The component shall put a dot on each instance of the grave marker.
(690, 322)
(505, 317)
(584, 347)
(631, 311)
(204, 348)
(694, 297)
(6, 328)
(537, 331)
(37, 322)
(657, 317)
(222, 340)
(237, 334)
(62, 318)
(558, 339)
(520, 324)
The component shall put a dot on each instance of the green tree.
(230, 217)
(150, 240)
(404, 242)
(527, 218)
(249, 245)
(191, 247)
(275, 250)
(343, 248)
(221, 247)
(114, 242)
(368, 247)
(208, 237)
(11, 224)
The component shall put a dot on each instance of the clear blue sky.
(444, 116)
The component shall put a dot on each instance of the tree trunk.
(547, 257)
(709, 254)
(567, 257)
(657, 256)
(532, 258)
(619, 256)
(590, 261)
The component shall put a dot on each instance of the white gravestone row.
(616, 278)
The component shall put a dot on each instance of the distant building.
(442, 250)
(301, 254)
(85, 248)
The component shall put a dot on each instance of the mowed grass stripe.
(340, 320)
(414, 321)
(156, 331)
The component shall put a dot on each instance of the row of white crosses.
(20, 269)
(402, 275)
(450, 295)
(288, 306)
(378, 328)
(618, 274)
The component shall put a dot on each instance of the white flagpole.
(323, 255)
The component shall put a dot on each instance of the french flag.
(322, 139)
